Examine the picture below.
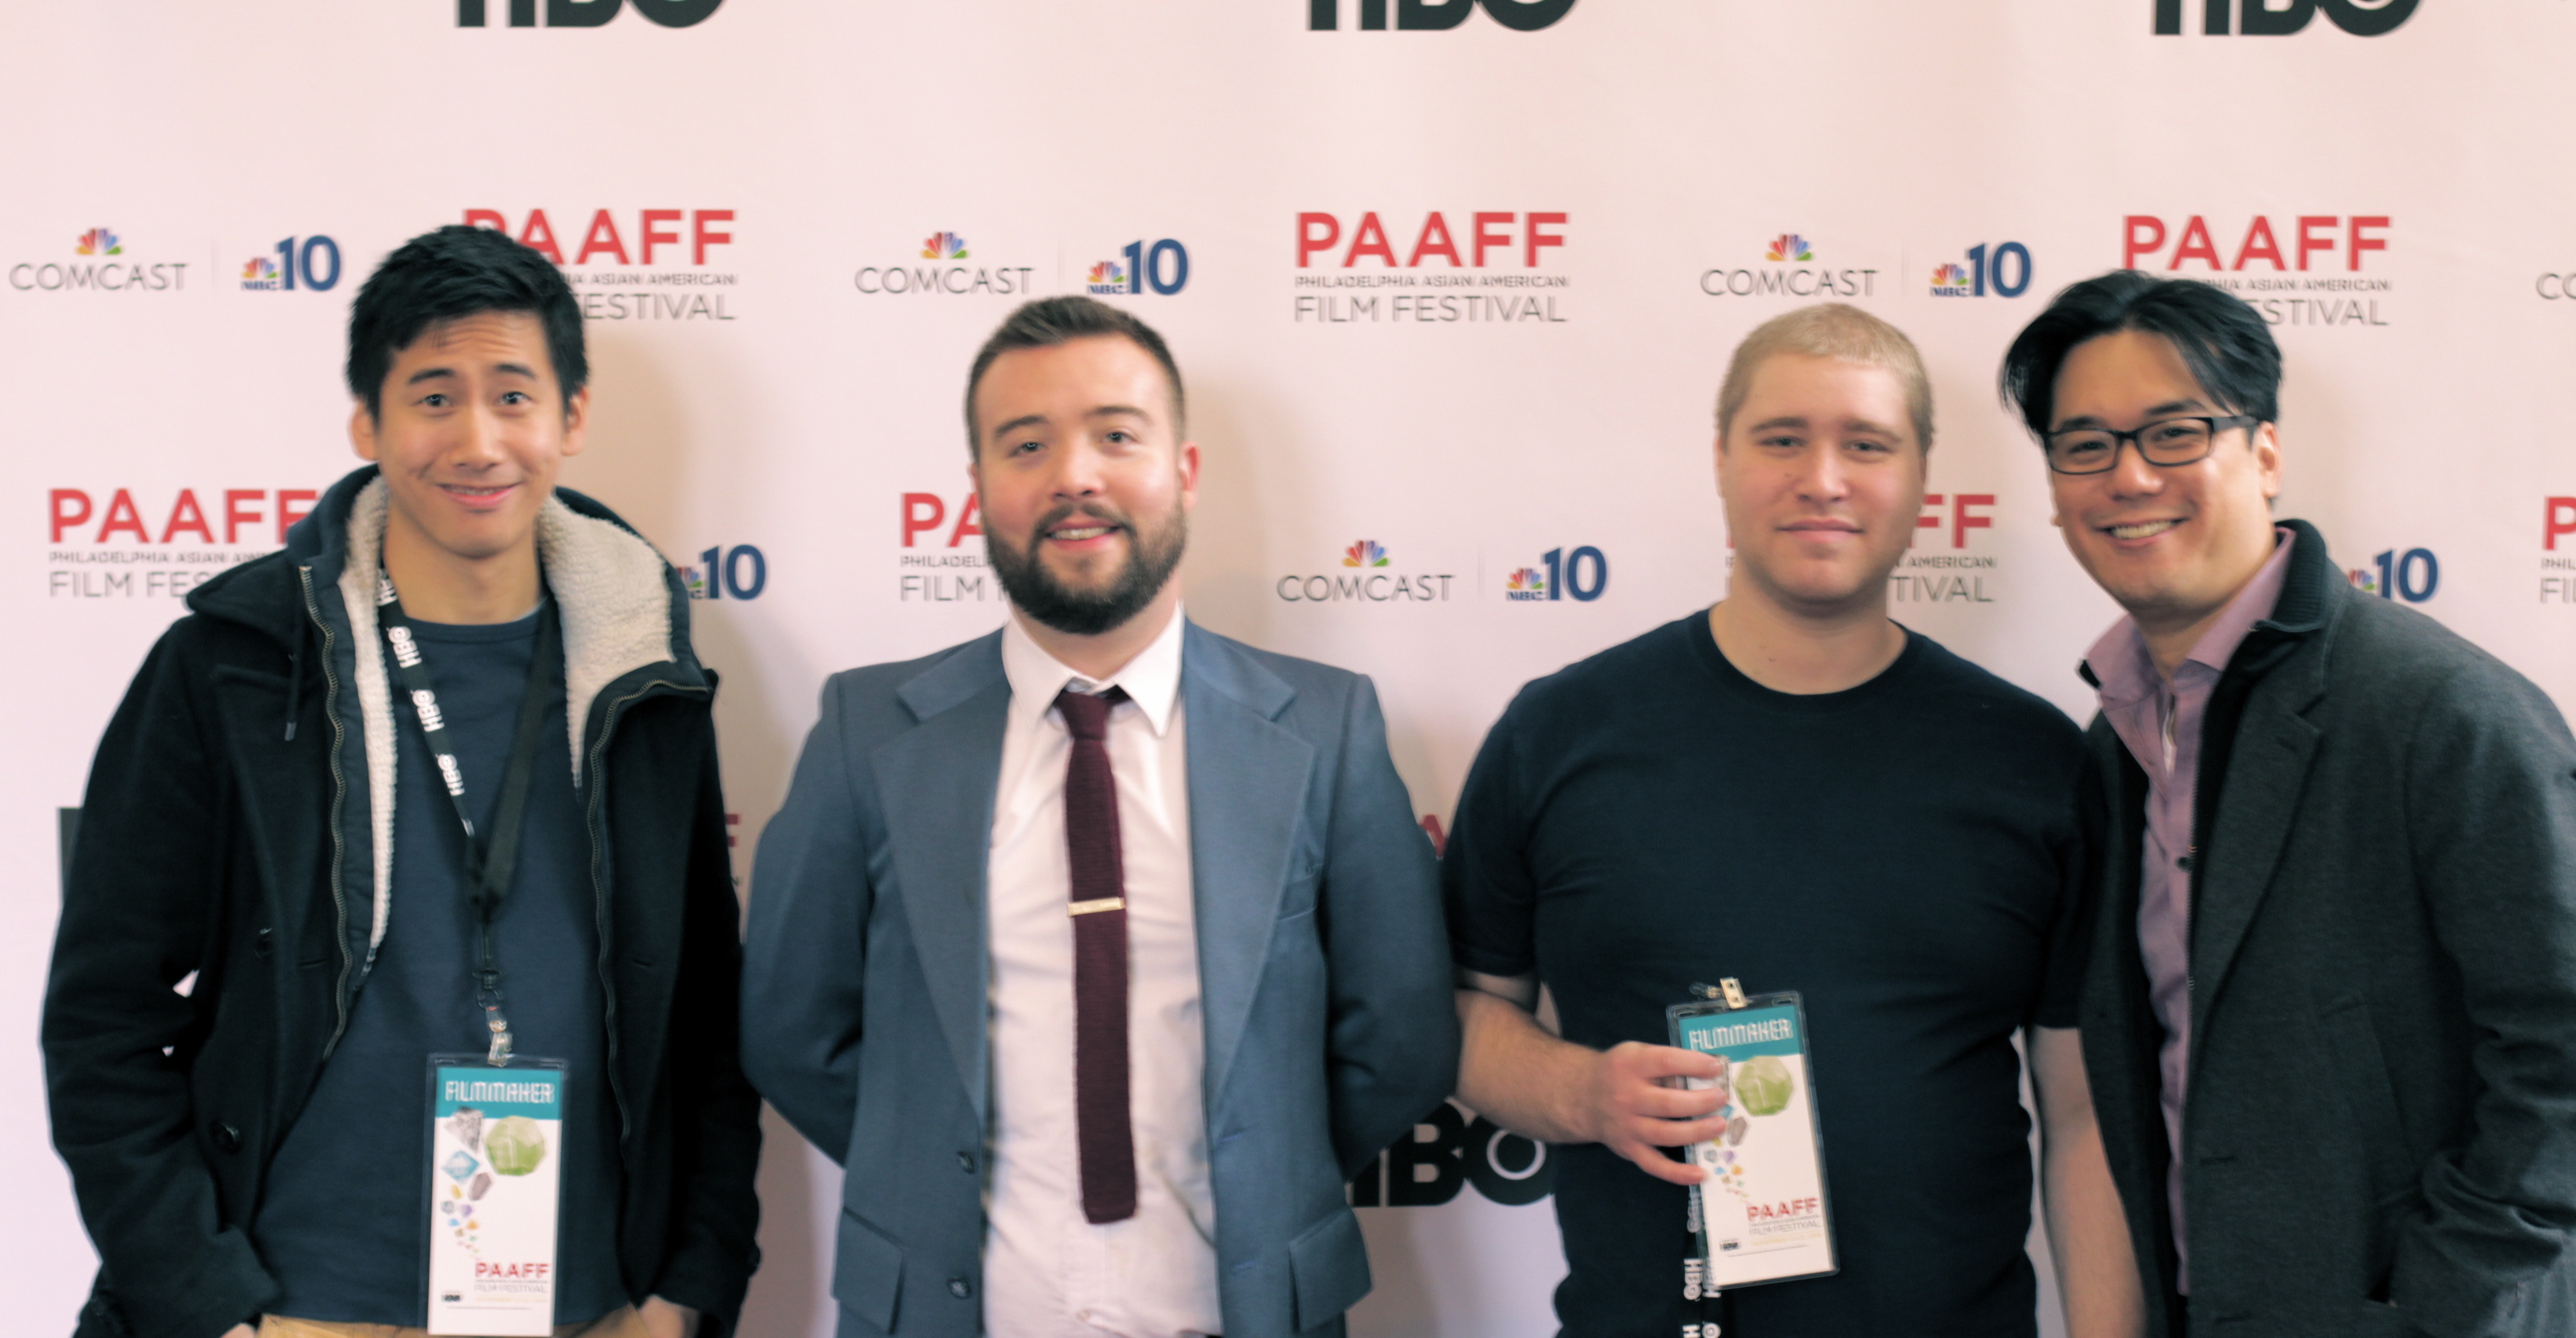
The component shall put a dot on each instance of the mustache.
(1088, 510)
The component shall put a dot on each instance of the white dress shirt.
(1048, 1273)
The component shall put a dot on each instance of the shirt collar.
(1152, 679)
(2128, 673)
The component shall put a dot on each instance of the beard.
(1151, 558)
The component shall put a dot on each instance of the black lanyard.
(489, 866)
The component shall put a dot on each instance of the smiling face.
(471, 433)
(1823, 480)
(1084, 483)
(2172, 544)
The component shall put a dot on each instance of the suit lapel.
(2265, 777)
(936, 782)
(1247, 788)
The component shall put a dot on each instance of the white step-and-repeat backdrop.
(1452, 282)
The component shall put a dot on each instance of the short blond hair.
(1830, 330)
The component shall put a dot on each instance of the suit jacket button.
(966, 1162)
(226, 1137)
(960, 1288)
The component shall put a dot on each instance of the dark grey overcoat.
(2382, 1095)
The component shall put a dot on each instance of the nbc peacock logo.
(944, 246)
(1950, 280)
(1526, 583)
(99, 242)
(1789, 246)
(1365, 553)
(1107, 276)
(259, 275)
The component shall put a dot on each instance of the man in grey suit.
(2330, 1019)
(1100, 950)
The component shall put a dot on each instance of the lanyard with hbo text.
(489, 865)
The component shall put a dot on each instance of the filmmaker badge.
(495, 1177)
(1762, 1214)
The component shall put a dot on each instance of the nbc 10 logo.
(309, 263)
(1582, 574)
(2412, 576)
(2000, 268)
(738, 572)
(1159, 267)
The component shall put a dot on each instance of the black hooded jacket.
(230, 831)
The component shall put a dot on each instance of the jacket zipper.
(599, 886)
(339, 802)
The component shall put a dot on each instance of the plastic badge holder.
(1760, 1215)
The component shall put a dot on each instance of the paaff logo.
(2313, 241)
(1789, 248)
(1523, 16)
(1492, 240)
(1161, 268)
(133, 276)
(2413, 577)
(954, 572)
(1424, 1172)
(739, 572)
(943, 277)
(616, 280)
(2006, 274)
(262, 275)
(1583, 574)
(587, 13)
(1373, 584)
(1955, 577)
(128, 557)
(2557, 574)
(2257, 18)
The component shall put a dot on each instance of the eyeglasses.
(2164, 443)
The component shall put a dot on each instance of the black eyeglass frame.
(2215, 423)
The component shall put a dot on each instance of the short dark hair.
(458, 271)
(1050, 321)
(2222, 340)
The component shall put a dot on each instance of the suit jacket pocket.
(867, 1272)
(2361, 1074)
(1328, 1267)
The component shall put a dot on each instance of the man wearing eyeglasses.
(2330, 1019)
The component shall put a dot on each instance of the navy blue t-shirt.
(1906, 854)
(343, 1224)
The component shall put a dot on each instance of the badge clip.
(1729, 989)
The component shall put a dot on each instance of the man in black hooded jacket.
(285, 810)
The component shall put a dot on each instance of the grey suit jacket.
(1323, 970)
(2382, 1100)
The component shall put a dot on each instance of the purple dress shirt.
(2160, 720)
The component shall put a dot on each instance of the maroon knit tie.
(1099, 961)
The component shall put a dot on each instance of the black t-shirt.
(1906, 854)
(343, 1225)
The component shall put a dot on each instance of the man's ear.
(362, 430)
(577, 421)
(1189, 462)
(2267, 458)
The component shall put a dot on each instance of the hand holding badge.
(1760, 1213)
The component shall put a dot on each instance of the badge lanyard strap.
(489, 866)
